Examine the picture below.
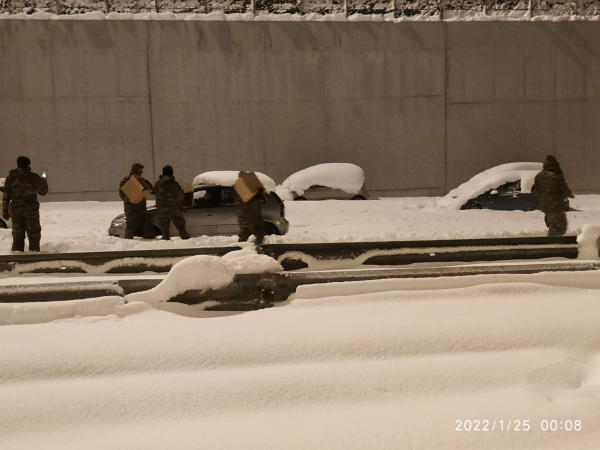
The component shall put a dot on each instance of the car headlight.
(118, 222)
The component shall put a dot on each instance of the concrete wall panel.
(75, 100)
(278, 97)
(421, 106)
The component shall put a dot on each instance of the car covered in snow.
(213, 208)
(508, 187)
(331, 181)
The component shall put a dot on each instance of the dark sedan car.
(212, 211)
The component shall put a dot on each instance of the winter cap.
(551, 163)
(136, 169)
(23, 162)
(168, 171)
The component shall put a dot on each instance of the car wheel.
(271, 230)
(358, 197)
(3, 224)
(300, 198)
(473, 205)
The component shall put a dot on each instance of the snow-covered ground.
(391, 364)
(82, 226)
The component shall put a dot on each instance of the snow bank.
(247, 261)
(199, 273)
(229, 177)
(202, 273)
(32, 313)
(491, 179)
(589, 242)
(391, 370)
(347, 177)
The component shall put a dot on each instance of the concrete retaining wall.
(421, 106)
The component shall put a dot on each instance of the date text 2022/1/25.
(516, 425)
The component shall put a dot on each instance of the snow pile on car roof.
(344, 176)
(229, 177)
(493, 178)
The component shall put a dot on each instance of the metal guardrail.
(297, 256)
(251, 292)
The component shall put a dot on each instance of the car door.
(201, 218)
(227, 221)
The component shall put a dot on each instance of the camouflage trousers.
(248, 229)
(26, 221)
(136, 221)
(556, 221)
(164, 223)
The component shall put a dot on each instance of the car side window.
(229, 197)
(509, 189)
(206, 198)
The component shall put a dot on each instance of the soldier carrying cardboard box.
(133, 191)
(250, 190)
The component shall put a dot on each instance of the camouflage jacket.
(552, 190)
(21, 189)
(250, 212)
(147, 185)
(169, 195)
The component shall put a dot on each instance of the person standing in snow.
(169, 204)
(135, 213)
(250, 218)
(552, 190)
(20, 201)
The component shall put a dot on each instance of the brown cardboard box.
(187, 188)
(134, 190)
(247, 185)
(188, 193)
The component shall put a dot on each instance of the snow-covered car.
(213, 208)
(507, 187)
(331, 181)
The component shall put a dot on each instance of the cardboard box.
(247, 185)
(187, 188)
(134, 190)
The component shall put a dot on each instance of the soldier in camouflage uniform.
(250, 218)
(135, 213)
(20, 201)
(552, 191)
(169, 204)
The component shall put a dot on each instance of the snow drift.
(202, 273)
(589, 242)
(344, 176)
(391, 370)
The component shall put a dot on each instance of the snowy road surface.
(380, 370)
(82, 226)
